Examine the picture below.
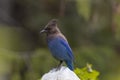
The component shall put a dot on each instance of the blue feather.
(61, 50)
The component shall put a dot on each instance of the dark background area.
(92, 28)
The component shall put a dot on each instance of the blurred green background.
(92, 28)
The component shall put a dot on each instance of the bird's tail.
(70, 65)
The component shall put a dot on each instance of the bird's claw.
(58, 68)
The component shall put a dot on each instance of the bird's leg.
(59, 65)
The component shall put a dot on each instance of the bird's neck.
(52, 36)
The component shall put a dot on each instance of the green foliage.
(117, 21)
(87, 73)
(17, 39)
(83, 7)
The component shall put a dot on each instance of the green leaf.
(87, 73)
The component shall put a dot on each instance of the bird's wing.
(67, 47)
(60, 48)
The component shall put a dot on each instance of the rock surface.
(63, 74)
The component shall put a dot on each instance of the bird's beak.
(42, 31)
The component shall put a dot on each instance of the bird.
(58, 44)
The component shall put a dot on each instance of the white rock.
(63, 74)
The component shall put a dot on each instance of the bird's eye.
(47, 28)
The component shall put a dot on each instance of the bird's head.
(51, 27)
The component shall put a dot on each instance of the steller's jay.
(58, 44)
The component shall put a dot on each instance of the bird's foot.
(58, 68)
